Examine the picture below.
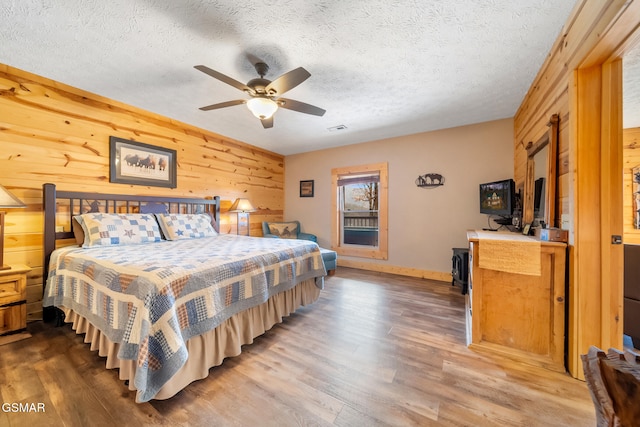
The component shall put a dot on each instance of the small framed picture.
(306, 188)
(526, 229)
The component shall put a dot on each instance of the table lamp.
(7, 200)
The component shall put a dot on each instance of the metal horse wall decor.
(430, 180)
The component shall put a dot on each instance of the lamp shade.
(8, 200)
(242, 205)
(262, 108)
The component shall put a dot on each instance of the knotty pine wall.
(550, 93)
(554, 91)
(631, 159)
(51, 132)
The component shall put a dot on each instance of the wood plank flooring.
(374, 350)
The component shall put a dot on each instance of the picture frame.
(306, 188)
(137, 163)
(526, 229)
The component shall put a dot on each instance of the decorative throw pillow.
(285, 230)
(78, 231)
(102, 229)
(185, 226)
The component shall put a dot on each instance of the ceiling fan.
(265, 94)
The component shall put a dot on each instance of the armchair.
(286, 230)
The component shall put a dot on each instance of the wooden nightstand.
(13, 303)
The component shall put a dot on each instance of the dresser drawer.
(13, 318)
(12, 288)
(13, 299)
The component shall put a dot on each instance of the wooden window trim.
(381, 252)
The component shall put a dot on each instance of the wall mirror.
(540, 182)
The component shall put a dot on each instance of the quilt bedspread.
(151, 298)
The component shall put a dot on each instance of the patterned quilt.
(151, 298)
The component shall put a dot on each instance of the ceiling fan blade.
(287, 81)
(291, 104)
(267, 123)
(226, 79)
(223, 104)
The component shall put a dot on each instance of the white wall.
(424, 224)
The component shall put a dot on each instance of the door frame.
(596, 278)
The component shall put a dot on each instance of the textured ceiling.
(382, 68)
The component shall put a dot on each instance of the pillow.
(153, 208)
(102, 229)
(285, 230)
(78, 231)
(185, 226)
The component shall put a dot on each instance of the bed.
(169, 300)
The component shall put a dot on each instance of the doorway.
(631, 196)
(596, 311)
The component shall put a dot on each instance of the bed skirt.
(209, 349)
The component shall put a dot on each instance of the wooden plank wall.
(631, 156)
(553, 91)
(549, 94)
(50, 132)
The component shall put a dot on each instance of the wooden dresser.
(516, 300)
(13, 299)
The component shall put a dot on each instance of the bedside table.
(13, 301)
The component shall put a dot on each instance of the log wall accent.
(550, 92)
(596, 31)
(631, 154)
(50, 132)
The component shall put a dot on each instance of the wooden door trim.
(596, 286)
(611, 166)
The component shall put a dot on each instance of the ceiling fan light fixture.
(262, 108)
(265, 95)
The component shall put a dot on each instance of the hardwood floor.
(374, 350)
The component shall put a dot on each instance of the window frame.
(381, 251)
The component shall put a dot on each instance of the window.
(359, 206)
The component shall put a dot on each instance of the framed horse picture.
(133, 162)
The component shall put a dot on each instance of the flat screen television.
(498, 197)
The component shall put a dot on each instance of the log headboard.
(60, 207)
